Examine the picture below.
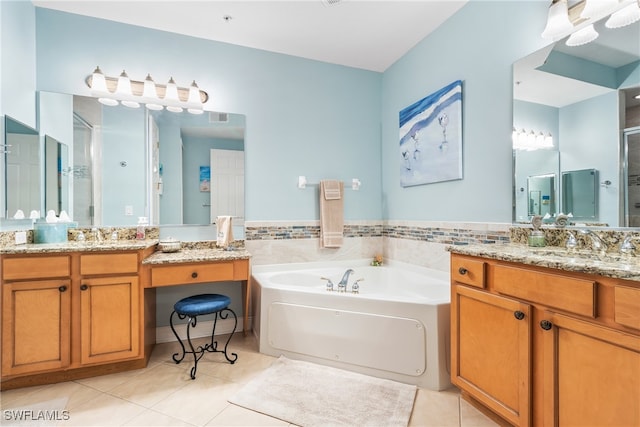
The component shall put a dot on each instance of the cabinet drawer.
(627, 306)
(36, 267)
(93, 264)
(561, 292)
(468, 271)
(191, 273)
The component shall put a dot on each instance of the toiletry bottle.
(140, 231)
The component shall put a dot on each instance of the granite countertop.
(613, 265)
(201, 254)
(88, 246)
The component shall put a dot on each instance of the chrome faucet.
(596, 242)
(329, 283)
(342, 284)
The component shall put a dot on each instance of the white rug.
(307, 394)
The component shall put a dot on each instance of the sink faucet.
(596, 242)
(342, 284)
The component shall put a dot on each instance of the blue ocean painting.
(431, 138)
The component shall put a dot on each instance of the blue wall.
(478, 46)
(303, 117)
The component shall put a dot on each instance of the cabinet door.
(35, 326)
(491, 351)
(109, 319)
(591, 374)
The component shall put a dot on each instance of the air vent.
(331, 2)
(217, 117)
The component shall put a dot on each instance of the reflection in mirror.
(541, 193)
(579, 194)
(56, 175)
(22, 168)
(581, 95)
(632, 175)
(531, 164)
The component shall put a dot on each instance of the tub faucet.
(329, 283)
(342, 284)
(596, 242)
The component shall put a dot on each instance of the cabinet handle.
(546, 325)
(84, 287)
(518, 315)
(194, 274)
(62, 288)
(462, 271)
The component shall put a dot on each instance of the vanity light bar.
(132, 93)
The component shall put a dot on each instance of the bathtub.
(396, 327)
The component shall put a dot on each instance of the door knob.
(518, 315)
(84, 287)
(462, 271)
(546, 325)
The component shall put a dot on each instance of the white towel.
(331, 214)
(225, 231)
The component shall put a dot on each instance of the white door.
(227, 184)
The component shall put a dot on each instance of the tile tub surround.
(417, 242)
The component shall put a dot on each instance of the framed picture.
(205, 178)
(431, 138)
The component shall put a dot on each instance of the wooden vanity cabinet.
(36, 313)
(110, 312)
(67, 312)
(545, 347)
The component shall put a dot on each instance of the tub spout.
(342, 285)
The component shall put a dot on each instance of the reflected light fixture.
(625, 16)
(531, 141)
(558, 22)
(131, 93)
(582, 36)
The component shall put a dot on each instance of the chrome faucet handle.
(355, 288)
(329, 283)
(572, 242)
(627, 247)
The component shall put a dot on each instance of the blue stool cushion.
(201, 304)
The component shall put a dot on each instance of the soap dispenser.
(140, 230)
(536, 238)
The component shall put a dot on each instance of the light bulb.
(123, 90)
(593, 8)
(98, 81)
(150, 94)
(625, 16)
(557, 20)
(583, 36)
(171, 95)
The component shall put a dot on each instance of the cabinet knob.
(518, 315)
(462, 271)
(84, 287)
(62, 288)
(546, 325)
(194, 274)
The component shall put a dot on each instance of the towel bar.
(302, 183)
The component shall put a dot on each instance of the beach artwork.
(431, 138)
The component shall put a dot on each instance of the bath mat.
(307, 394)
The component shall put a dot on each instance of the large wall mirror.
(577, 102)
(126, 163)
(22, 169)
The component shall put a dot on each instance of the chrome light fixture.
(563, 20)
(131, 93)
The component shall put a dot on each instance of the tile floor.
(162, 394)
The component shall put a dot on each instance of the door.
(109, 319)
(227, 184)
(35, 326)
(591, 374)
(491, 351)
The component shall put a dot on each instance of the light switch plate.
(21, 237)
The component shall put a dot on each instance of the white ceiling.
(366, 34)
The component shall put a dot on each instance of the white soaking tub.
(396, 327)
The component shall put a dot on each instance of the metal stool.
(197, 305)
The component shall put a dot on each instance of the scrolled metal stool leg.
(224, 313)
(197, 355)
(176, 359)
